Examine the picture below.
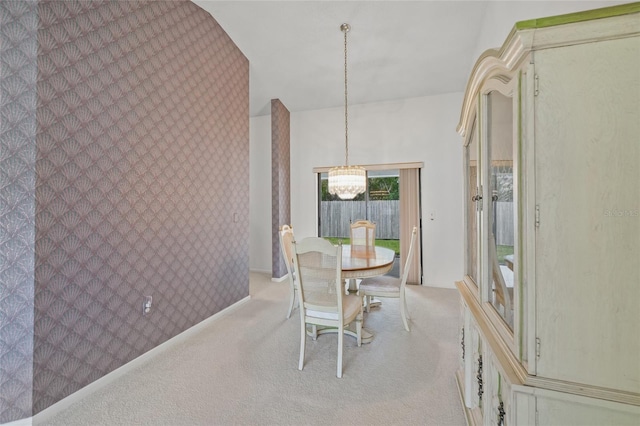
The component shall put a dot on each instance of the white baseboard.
(63, 404)
(274, 279)
(279, 280)
(440, 285)
(260, 271)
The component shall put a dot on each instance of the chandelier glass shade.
(347, 181)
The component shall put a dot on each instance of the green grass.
(502, 252)
(390, 244)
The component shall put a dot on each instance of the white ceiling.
(396, 49)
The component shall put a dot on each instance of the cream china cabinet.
(550, 299)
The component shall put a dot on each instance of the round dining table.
(365, 261)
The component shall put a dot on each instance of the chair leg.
(303, 341)
(340, 342)
(368, 303)
(359, 330)
(403, 313)
(406, 309)
(314, 332)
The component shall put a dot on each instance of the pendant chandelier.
(347, 181)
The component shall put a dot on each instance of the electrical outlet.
(146, 305)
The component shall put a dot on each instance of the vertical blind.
(409, 217)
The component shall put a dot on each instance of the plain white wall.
(260, 194)
(409, 130)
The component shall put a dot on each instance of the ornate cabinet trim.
(527, 36)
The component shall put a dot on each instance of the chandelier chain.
(346, 115)
(346, 181)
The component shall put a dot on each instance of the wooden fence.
(504, 223)
(337, 215)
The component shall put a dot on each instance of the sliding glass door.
(379, 204)
(335, 214)
(392, 201)
(383, 203)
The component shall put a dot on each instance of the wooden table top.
(362, 258)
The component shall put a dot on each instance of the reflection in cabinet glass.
(472, 196)
(500, 205)
(492, 236)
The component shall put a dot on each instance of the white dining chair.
(322, 302)
(363, 233)
(391, 287)
(286, 245)
(362, 236)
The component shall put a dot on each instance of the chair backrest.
(407, 263)
(363, 233)
(286, 244)
(319, 267)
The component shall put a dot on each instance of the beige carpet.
(242, 370)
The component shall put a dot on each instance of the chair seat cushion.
(381, 284)
(351, 306)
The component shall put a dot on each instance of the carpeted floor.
(242, 369)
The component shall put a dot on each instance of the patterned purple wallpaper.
(141, 186)
(18, 73)
(280, 182)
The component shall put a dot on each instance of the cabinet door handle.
(501, 414)
(476, 198)
(479, 377)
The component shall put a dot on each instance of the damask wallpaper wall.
(280, 182)
(125, 173)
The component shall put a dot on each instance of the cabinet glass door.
(471, 197)
(499, 204)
